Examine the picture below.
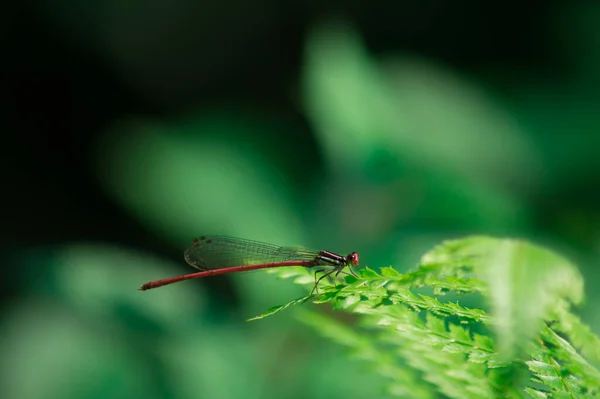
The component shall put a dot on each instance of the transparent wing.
(217, 252)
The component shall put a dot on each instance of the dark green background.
(384, 129)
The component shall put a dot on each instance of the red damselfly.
(214, 255)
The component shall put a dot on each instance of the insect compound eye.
(353, 258)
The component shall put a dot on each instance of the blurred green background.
(131, 128)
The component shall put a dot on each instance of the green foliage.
(519, 340)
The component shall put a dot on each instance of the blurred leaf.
(526, 283)
(193, 175)
(204, 363)
(429, 116)
(385, 365)
(416, 141)
(48, 352)
(102, 280)
(342, 94)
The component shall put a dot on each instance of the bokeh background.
(383, 128)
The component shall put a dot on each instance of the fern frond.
(430, 345)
